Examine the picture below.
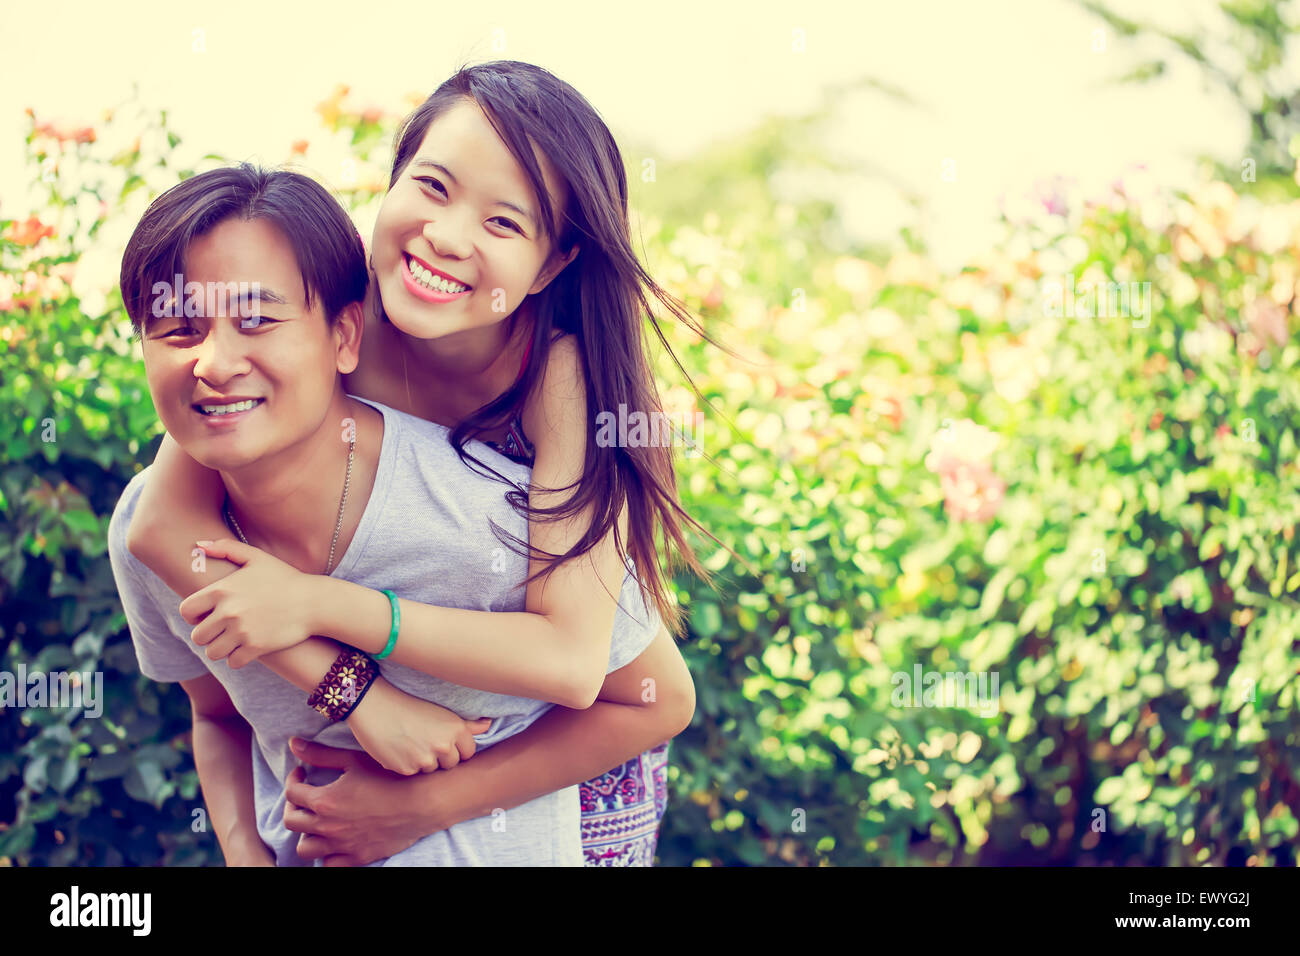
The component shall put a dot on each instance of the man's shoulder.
(120, 523)
(428, 444)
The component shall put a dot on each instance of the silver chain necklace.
(352, 447)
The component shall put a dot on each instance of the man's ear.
(554, 266)
(348, 329)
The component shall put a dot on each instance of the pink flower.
(972, 492)
(960, 455)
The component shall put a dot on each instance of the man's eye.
(180, 329)
(256, 321)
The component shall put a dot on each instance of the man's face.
(267, 347)
(449, 213)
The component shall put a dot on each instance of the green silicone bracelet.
(397, 621)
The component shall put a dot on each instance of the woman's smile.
(428, 285)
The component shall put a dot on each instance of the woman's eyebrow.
(500, 202)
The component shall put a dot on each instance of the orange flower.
(28, 233)
(372, 114)
(298, 148)
(329, 108)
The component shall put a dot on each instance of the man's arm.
(368, 814)
(223, 758)
(565, 747)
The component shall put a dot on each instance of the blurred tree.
(1246, 56)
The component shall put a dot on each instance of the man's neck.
(288, 504)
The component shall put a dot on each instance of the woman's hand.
(264, 607)
(407, 735)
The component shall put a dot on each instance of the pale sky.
(1011, 89)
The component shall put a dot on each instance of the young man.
(276, 246)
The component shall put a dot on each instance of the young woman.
(510, 309)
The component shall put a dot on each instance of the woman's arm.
(558, 649)
(179, 505)
(370, 814)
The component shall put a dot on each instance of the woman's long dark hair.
(600, 298)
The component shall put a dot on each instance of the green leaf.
(144, 781)
(82, 521)
(706, 619)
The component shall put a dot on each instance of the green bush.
(921, 470)
(1132, 582)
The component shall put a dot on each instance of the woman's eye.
(430, 181)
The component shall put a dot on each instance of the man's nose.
(222, 353)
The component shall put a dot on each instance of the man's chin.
(208, 454)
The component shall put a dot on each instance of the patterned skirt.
(621, 811)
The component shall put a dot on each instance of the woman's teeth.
(431, 281)
(228, 409)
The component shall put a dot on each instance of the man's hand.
(252, 856)
(367, 814)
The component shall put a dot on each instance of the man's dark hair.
(329, 251)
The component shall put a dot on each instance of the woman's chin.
(417, 327)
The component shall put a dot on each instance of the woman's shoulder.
(560, 385)
(564, 357)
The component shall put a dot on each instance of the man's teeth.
(431, 281)
(227, 409)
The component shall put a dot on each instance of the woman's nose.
(448, 235)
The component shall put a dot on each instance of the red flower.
(28, 233)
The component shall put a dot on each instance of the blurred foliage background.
(926, 469)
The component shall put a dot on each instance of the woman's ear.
(554, 266)
(348, 329)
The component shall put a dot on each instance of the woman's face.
(458, 242)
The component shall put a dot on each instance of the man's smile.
(221, 413)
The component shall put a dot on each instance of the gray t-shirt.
(424, 535)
